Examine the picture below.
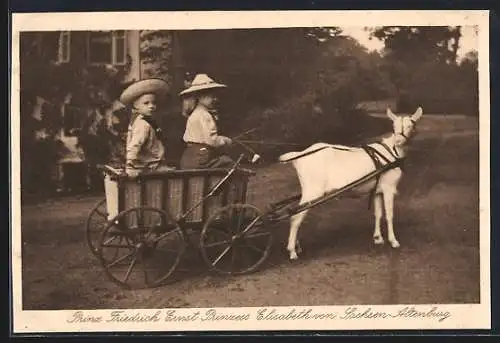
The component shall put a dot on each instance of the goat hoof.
(293, 256)
(378, 240)
(395, 244)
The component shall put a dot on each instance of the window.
(73, 119)
(63, 54)
(107, 47)
(55, 46)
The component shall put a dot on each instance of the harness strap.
(395, 155)
(392, 151)
(316, 150)
(373, 153)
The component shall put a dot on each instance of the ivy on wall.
(156, 54)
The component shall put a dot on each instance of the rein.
(270, 143)
(370, 151)
(245, 133)
(314, 151)
(244, 146)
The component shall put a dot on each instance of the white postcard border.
(467, 316)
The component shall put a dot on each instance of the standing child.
(144, 148)
(204, 144)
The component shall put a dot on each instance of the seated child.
(204, 144)
(144, 148)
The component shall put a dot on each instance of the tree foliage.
(156, 54)
(413, 45)
(299, 85)
(422, 64)
(285, 80)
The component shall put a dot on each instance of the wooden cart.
(140, 231)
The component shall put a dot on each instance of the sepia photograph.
(227, 171)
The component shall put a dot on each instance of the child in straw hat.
(144, 148)
(204, 144)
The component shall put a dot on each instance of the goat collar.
(391, 150)
(383, 155)
(402, 135)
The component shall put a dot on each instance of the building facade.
(122, 55)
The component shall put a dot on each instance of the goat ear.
(391, 115)
(418, 113)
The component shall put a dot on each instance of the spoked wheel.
(95, 225)
(235, 240)
(141, 248)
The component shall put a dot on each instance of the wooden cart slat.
(175, 192)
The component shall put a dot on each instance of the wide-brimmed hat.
(202, 82)
(146, 86)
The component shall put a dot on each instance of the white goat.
(322, 168)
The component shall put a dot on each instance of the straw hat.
(135, 90)
(202, 82)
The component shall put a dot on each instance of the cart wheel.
(95, 224)
(235, 240)
(141, 247)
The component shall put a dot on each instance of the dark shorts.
(198, 156)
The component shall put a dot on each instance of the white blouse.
(202, 128)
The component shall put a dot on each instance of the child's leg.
(222, 161)
(111, 189)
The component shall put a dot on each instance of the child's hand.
(228, 141)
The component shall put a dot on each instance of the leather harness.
(376, 157)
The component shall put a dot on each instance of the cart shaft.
(335, 193)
